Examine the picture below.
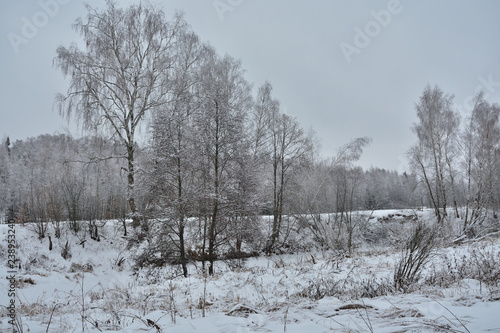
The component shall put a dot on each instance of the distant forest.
(60, 178)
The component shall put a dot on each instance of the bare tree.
(289, 148)
(332, 186)
(431, 156)
(347, 180)
(481, 143)
(265, 107)
(173, 144)
(225, 100)
(122, 74)
(6, 209)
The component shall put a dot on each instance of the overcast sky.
(345, 68)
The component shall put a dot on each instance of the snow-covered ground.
(317, 291)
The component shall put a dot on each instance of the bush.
(417, 251)
(372, 287)
(66, 251)
(328, 286)
(157, 252)
(323, 287)
(479, 264)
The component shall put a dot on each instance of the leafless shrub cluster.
(372, 287)
(348, 288)
(321, 288)
(481, 264)
(416, 253)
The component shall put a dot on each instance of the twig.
(284, 319)
(367, 320)
(204, 293)
(439, 327)
(18, 324)
(147, 322)
(83, 303)
(452, 315)
(93, 159)
(50, 319)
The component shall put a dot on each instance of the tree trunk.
(275, 230)
(212, 231)
(131, 184)
(124, 223)
(211, 241)
(182, 250)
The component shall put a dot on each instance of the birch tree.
(174, 176)
(121, 74)
(6, 209)
(225, 100)
(436, 131)
(289, 147)
(481, 143)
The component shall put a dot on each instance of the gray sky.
(345, 68)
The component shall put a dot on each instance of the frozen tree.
(265, 107)
(289, 148)
(347, 181)
(436, 131)
(332, 186)
(173, 177)
(481, 143)
(225, 100)
(122, 73)
(245, 203)
(348, 199)
(7, 145)
(5, 179)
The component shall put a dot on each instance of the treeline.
(59, 178)
(54, 178)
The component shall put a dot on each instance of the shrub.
(372, 287)
(417, 251)
(481, 264)
(66, 251)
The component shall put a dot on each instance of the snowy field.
(97, 290)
